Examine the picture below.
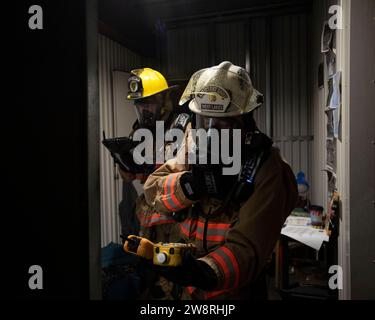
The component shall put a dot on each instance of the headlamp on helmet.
(135, 87)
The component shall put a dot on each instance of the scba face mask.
(218, 153)
(148, 111)
(218, 141)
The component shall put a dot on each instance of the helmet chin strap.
(163, 108)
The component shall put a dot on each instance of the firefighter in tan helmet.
(234, 220)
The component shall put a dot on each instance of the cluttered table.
(306, 248)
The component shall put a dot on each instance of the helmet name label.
(213, 99)
(212, 107)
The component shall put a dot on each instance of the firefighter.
(150, 92)
(233, 220)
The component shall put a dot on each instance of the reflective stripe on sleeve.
(156, 219)
(215, 231)
(228, 264)
(189, 227)
(169, 198)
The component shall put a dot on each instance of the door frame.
(93, 162)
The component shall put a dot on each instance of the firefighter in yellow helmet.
(233, 220)
(150, 92)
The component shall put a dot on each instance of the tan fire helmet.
(224, 90)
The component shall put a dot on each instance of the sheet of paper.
(330, 124)
(334, 91)
(331, 154)
(330, 58)
(332, 178)
(336, 122)
(309, 236)
(326, 38)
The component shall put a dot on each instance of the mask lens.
(208, 123)
(211, 141)
(148, 111)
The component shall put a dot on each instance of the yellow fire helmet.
(146, 82)
(225, 90)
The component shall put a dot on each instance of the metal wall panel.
(291, 121)
(187, 51)
(195, 47)
(231, 42)
(259, 71)
(112, 56)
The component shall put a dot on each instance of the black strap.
(257, 150)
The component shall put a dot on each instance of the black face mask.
(149, 111)
(210, 170)
(214, 130)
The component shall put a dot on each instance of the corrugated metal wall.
(112, 56)
(187, 51)
(275, 52)
(195, 47)
(291, 121)
(231, 42)
(259, 70)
